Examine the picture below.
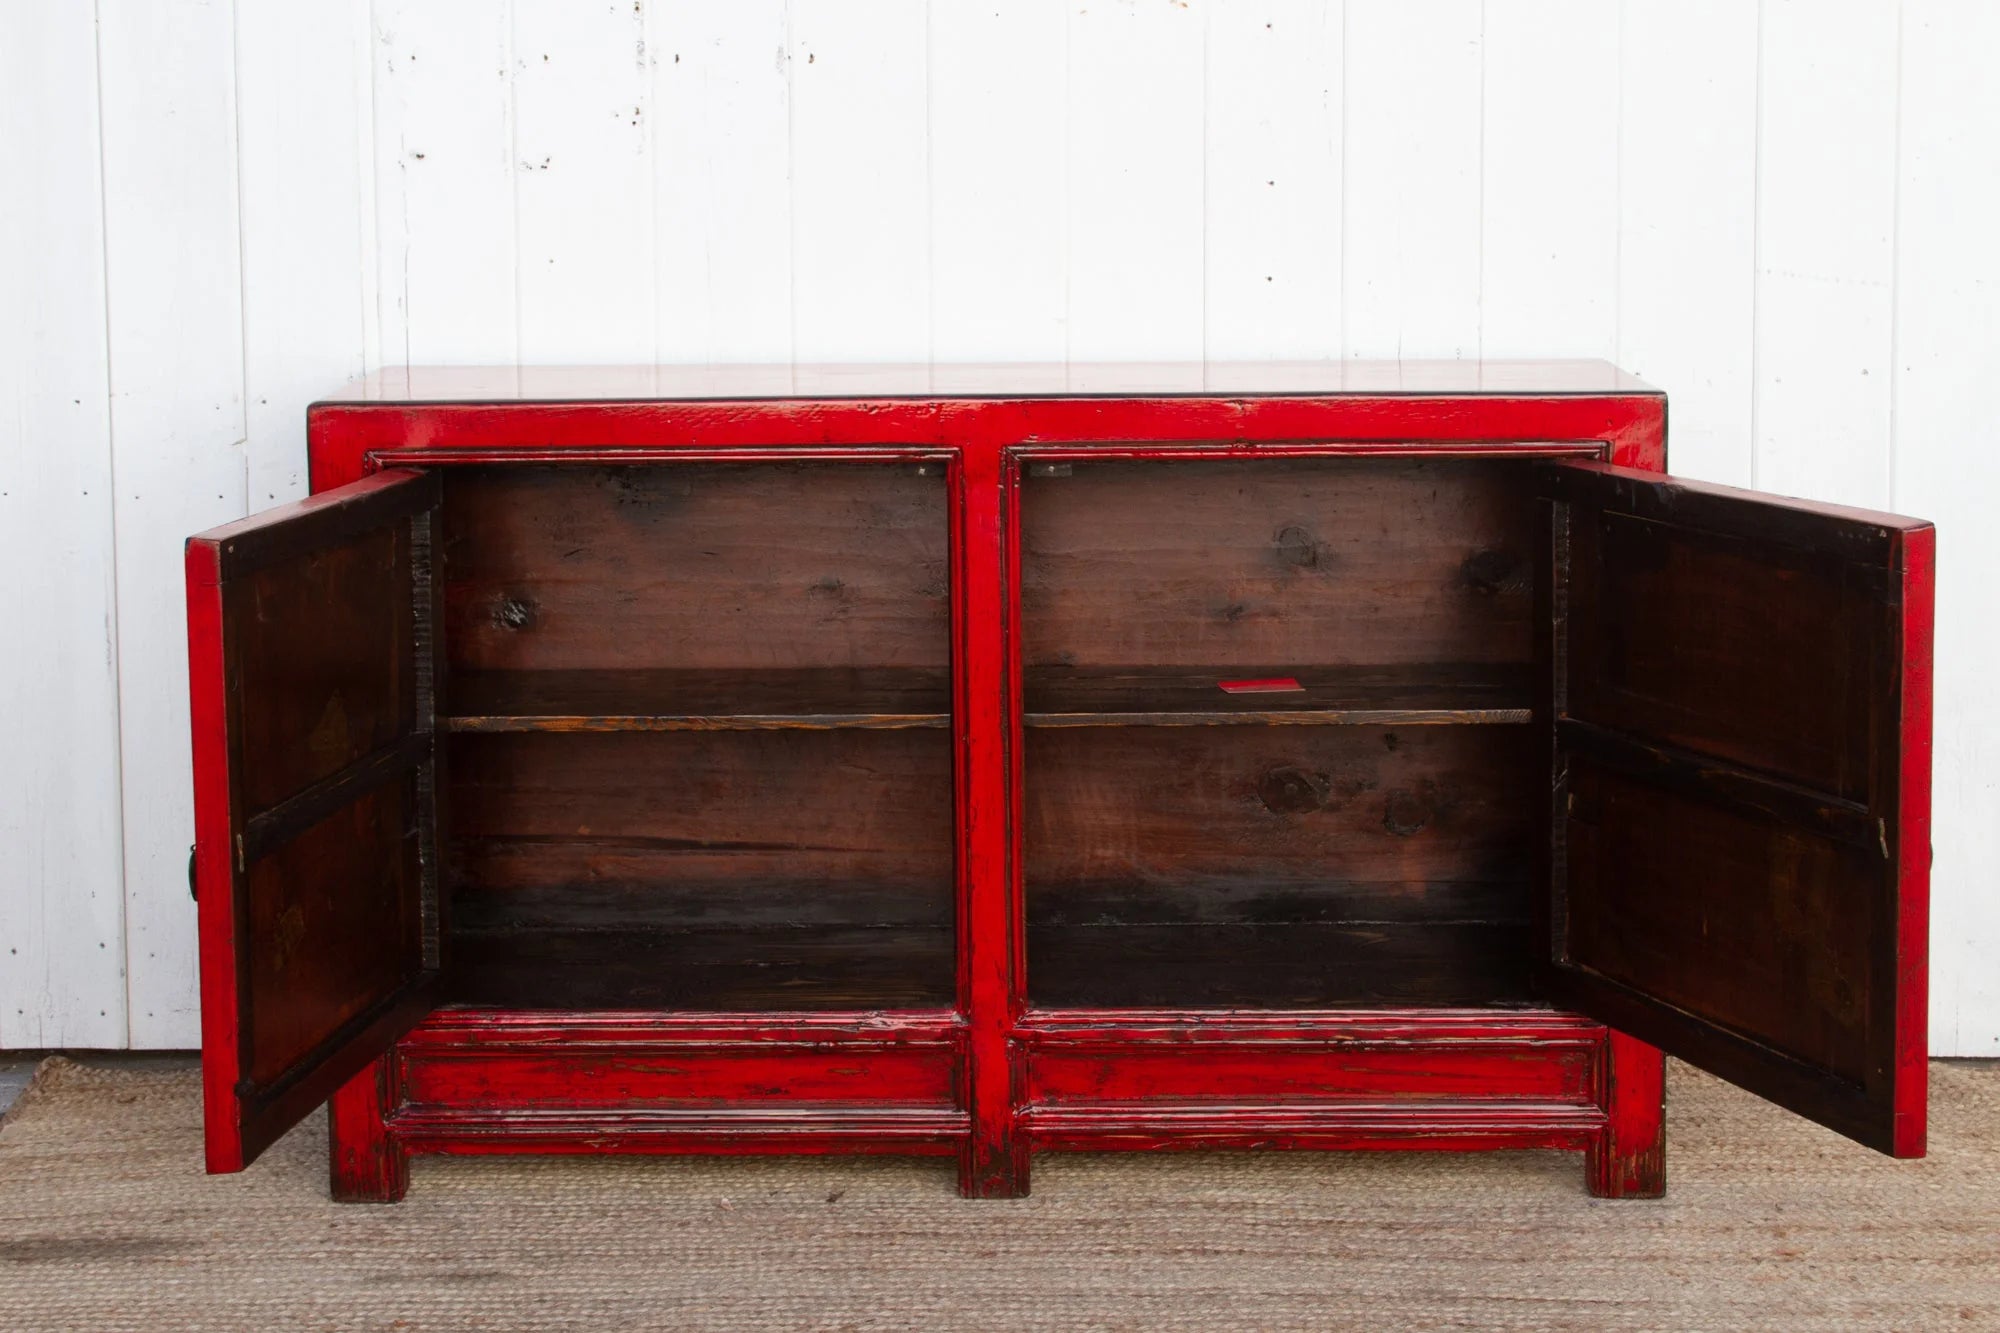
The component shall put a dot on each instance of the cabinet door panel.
(1738, 691)
(311, 668)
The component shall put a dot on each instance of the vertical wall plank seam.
(791, 193)
(1207, 55)
(1756, 243)
(1346, 128)
(111, 639)
(650, 144)
(930, 185)
(242, 277)
(1069, 221)
(1895, 269)
(1618, 189)
(513, 122)
(1479, 274)
(368, 229)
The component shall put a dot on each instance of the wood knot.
(1493, 573)
(1408, 810)
(1298, 549)
(514, 613)
(1293, 791)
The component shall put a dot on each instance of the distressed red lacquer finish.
(208, 704)
(977, 1068)
(1917, 550)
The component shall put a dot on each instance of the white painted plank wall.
(1412, 79)
(1687, 221)
(1272, 156)
(179, 457)
(219, 209)
(62, 895)
(1946, 466)
(999, 179)
(722, 173)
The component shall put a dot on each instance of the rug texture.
(107, 1222)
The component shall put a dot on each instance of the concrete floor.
(15, 1071)
(17, 1068)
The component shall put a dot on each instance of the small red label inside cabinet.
(1270, 685)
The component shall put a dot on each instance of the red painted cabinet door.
(310, 637)
(1739, 831)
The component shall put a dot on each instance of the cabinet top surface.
(1138, 379)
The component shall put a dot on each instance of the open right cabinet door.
(1738, 688)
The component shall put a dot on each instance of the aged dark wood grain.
(1719, 913)
(647, 812)
(333, 927)
(1295, 866)
(1299, 564)
(1730, 645)
(696, 566)
(1280, 809)
(323, 662)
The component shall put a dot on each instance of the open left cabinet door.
(311, 666)
(1738, 688)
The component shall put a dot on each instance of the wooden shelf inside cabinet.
(1277, 696)
(879, 699)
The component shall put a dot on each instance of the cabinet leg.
(993, 1171)
(365, 1163)
(1629, 1159)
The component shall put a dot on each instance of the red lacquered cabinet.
(983, 761)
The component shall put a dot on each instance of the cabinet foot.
(992, 1174)
(1629, 1159)
(365, 1164)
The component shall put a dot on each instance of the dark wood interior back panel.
(751, 870)
(582, 828)
(323, 658)
(1278, 866)
(1714, 911)
(1333, 562)
(334, 927)
(696, 566)
(1755, 653)
(1291, 814)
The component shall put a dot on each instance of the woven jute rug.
(107, 1222)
